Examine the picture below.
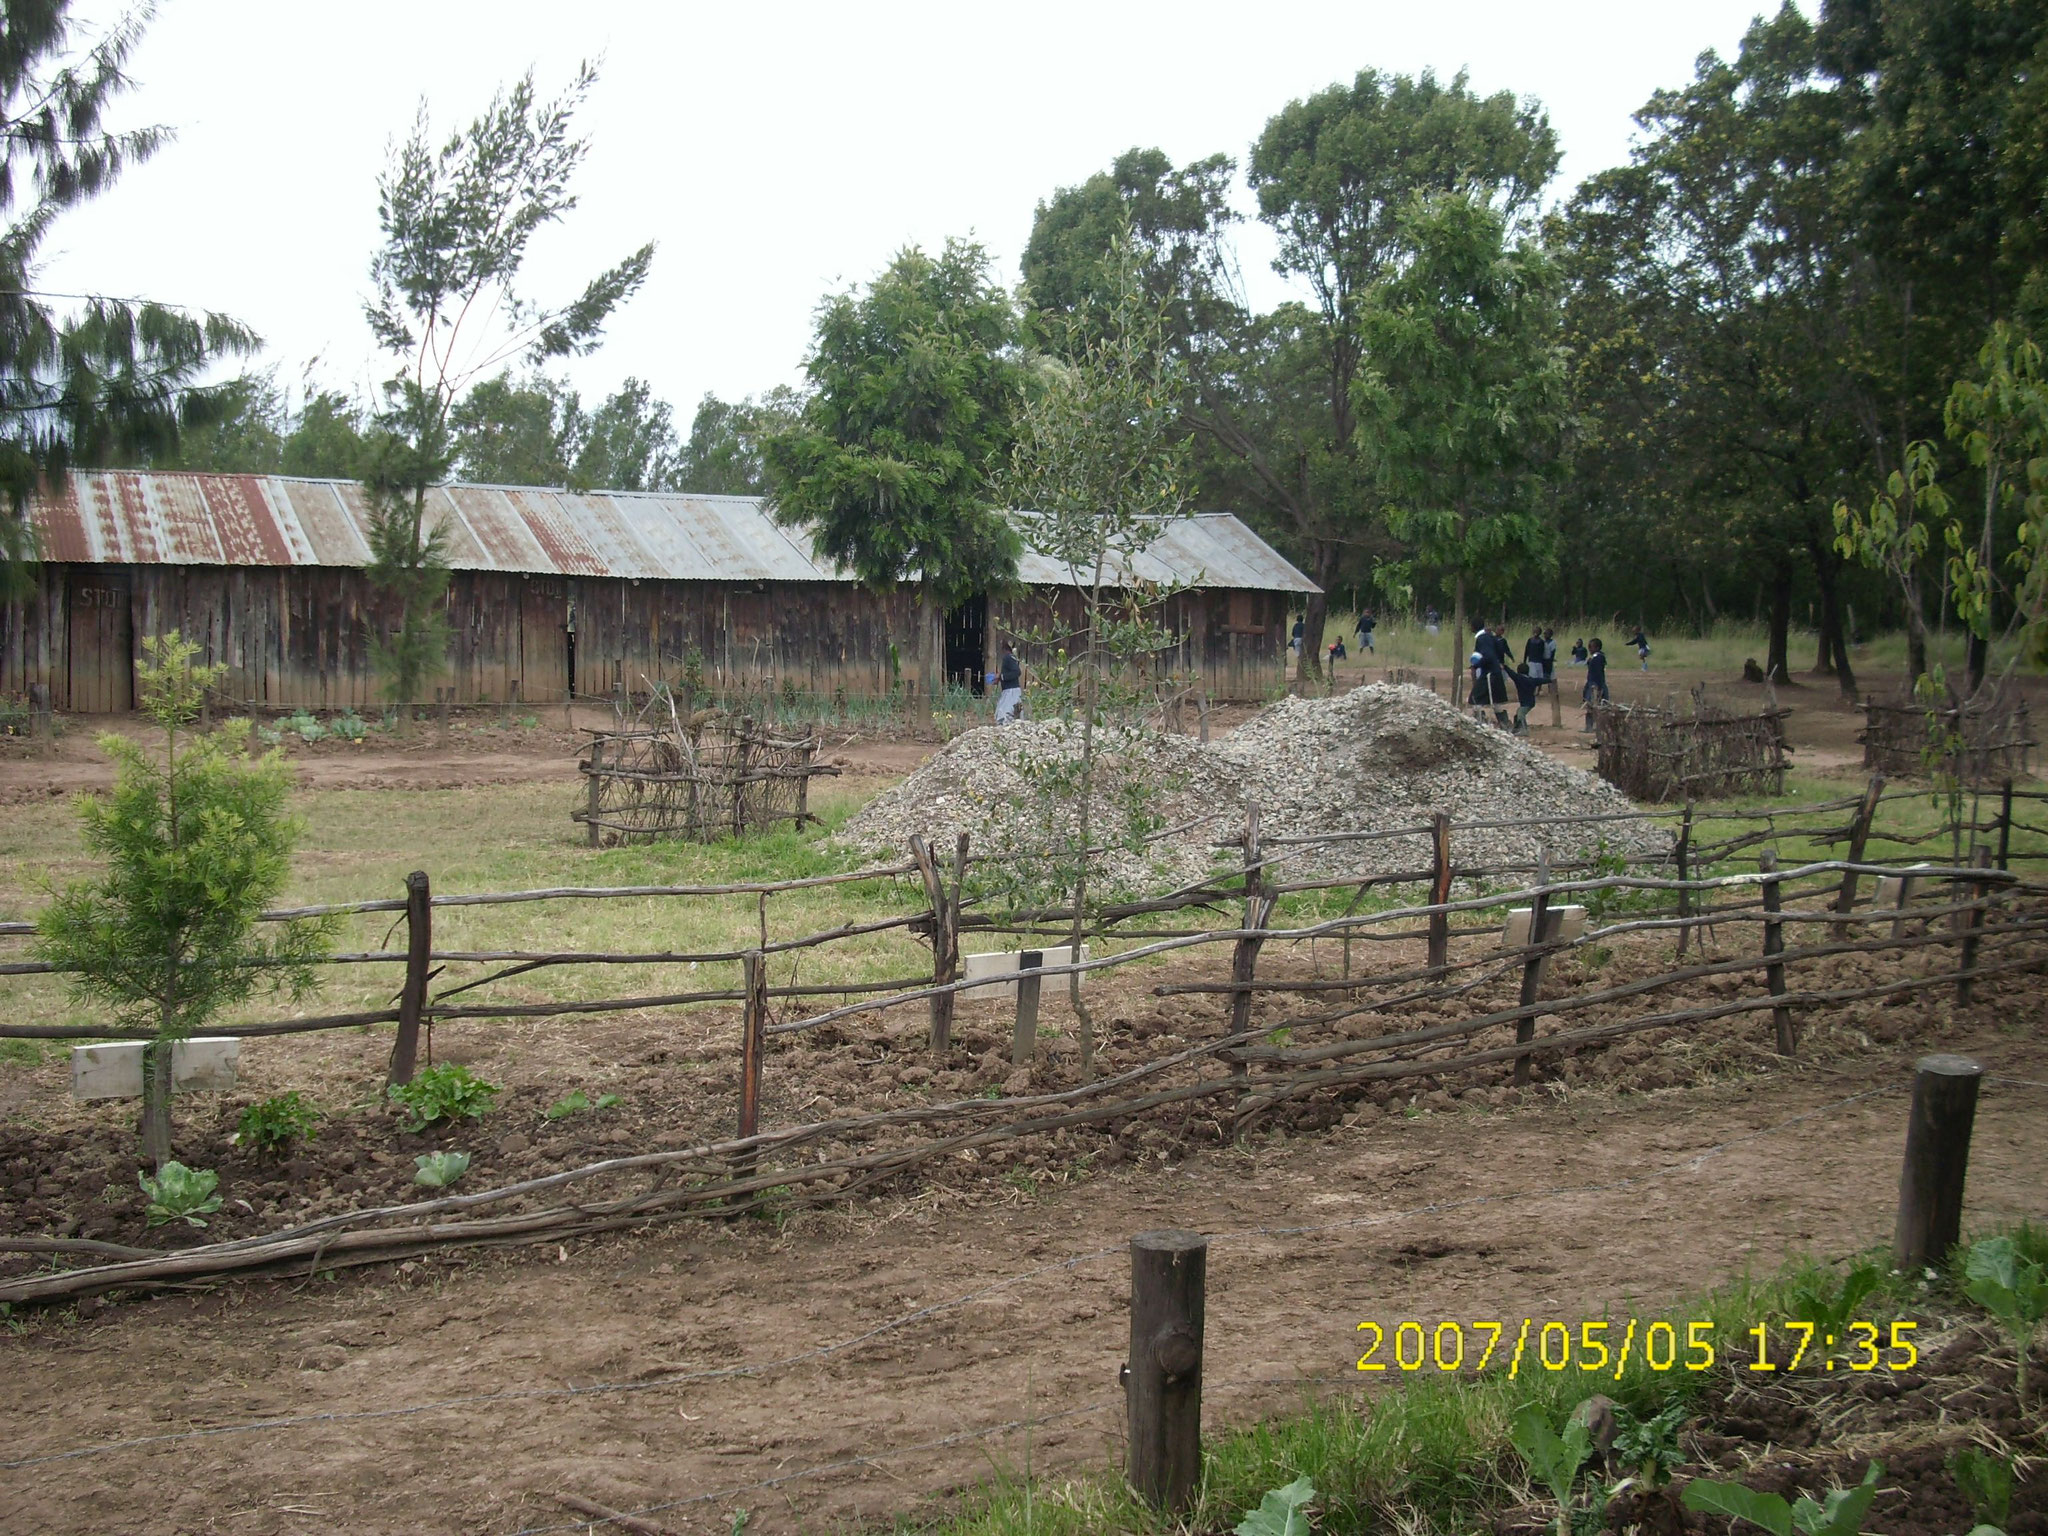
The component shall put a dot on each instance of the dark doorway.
(100, 653)
(967, 643)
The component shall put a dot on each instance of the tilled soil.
(707, 1367)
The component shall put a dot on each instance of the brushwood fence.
(1440, 991)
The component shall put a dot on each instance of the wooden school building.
(552, 594)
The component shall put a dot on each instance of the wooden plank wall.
(302, 636)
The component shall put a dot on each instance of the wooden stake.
(2004, 823)
(1774, 944)
(1859, 835)
(1205, 724)
(753, 1042)
(1024, 1038)
(419, 947)
(596, 791)
(1937, 1159)
(1542, 929)
(1973, 922)
(1244, 958)
(1440, 892)
(945, 921)
(1684, 855)
(1163, 1378)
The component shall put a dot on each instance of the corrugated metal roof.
(163, 517)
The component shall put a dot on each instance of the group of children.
(1492, 672)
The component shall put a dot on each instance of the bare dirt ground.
(722, 1365)
(854, 1363)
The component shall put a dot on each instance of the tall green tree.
(723, 453)
(1462, 397)
(628, 443)
(1334, 174)
(449, 305)
(108, 380)
(914, 387)
(196, 841)
(514, 432)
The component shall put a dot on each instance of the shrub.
(277, 1122)
(443, 1093)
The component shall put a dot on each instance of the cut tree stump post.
(1774, 944)
(1163, 1377)
(945, 936)
(1684, 855)
(1859, 836)
(1937, 1158)
(1973, 923)
(595, 791)
(753, 1041)
(1440, 892)
(1024, 1039)
(1543, 927)
(412, 1000)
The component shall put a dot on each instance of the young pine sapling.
(196, 843)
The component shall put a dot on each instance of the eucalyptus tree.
(106, 380)
(448, 303)
(914, 386)
(1462, 396)
(1335, 175)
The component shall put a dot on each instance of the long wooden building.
(552, 594)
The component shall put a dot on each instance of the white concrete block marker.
(1571, 923)
(202, 1064)
(995, 975)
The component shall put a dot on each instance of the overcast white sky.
(775, 152)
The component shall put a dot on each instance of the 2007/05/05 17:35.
(1593, 1347)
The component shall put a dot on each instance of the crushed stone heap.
(1379, 757)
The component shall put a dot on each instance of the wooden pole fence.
(412, 999)
(1774, 945)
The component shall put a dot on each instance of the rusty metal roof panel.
(148, 517)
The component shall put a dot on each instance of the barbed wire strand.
(908, 1319)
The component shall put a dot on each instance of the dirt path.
(1465, 1215)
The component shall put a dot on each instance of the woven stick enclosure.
(1982, 739)
(1704, 752)
(695, 778)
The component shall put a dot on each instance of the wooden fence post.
(945, 935)
(1774, 944)
(596, 791)
(1163, 1378)
(753, 1038)
(1244, 958)
(441, 700)
(1205, 720)
(1024, 1038)
(1542, 928)
(1440, 892)
(1937, 1158)
(412, 1000)
(1973, 922)
(2004, 824)
(1859, 835)
(1684, 853)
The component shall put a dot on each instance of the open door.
(966, 643)
(100, 641)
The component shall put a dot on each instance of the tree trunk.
(922, 710)
(1775, 667)
(1830, 616)
(1459, 644)
(1980, 647)
(1845, 674)
(1323, 554)
(1916, 635)
(156, 1103)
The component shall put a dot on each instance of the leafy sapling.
(1282, 1512)
(1840, 1514)
(437, 1170)
(179, 1193)
(277, 1122)
(1986, 1481)
(2012, 1288)
(442, 1093)
(1649, 1448)
(1554, 1459)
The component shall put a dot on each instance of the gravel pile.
(1380, 757)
